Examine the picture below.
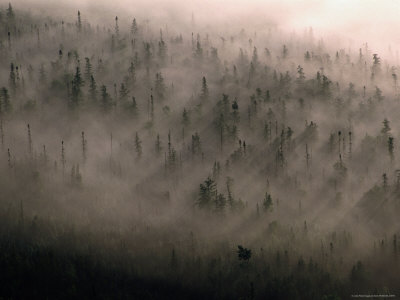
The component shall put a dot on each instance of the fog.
(353, 22)
(199, 149)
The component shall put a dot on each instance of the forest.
(141, 160)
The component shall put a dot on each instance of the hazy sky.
(356, 20)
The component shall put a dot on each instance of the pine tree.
(159, 86)
(391, 148)
(1, 131)
(325, 86)
(254, 59)
(147, 53)
(134, 27)
(133, 107)
(116, 28)
(244, 254)
(11, 80)
(301, 77)
(196, 145)
(185, 118)
(151, 108)
(93, 89)
(10, 14)
(88, 69)
(386, 127)
(138, 146)
(63, 160)
(44, 155)
(235, 113)
(79, 24)
(229, 183)
(131, 75)
(162, 51)
(284, 52)
(158, 146)
(105, 99)
(204, 90)
(267, 203)
(9, 158)
(220, 203)
(207, 193)
(378, 94)
(30, 147)
(307, 56)
(384, 181)
(123, 93)
(42, 75)
(198, 53)
(84, 146)
(77, 83)
(376, 65)
(5, 104)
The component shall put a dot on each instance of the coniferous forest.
(146, 161)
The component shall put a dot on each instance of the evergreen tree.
(10, 15)
(386, 127)
(376, 66)
(204, 90)
(301, 77)
(131, 75)
(325, 86)
(134, 27)
(207, 193)
(158, 146)
(196, 145)
(254, 59)
(229, 183)
(185, 118)
(159, 86)
(267, 203)
(93, 89)
(105, 99)
(84, 146)
(88, 69)
(198, 53)
(162, 51)
(5, 104)
(138, 146)
(244, 254)
(116, 28)
(42, 74)
(378, 94)
(384, 181)
(123, 93)
(77, 83)
(307, 56)
(235, 113)
(147, 53)
(133, 107)
(391, 148)
(79, 23)
(11, 80)
(220, 203)
(284, 52)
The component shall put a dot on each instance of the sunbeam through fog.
(199, 149)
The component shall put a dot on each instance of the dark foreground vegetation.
(146, 161)
(57, 269)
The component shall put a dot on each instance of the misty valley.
(149, 160)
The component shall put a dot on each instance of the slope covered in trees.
(181, 163)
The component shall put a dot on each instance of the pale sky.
(377, 22)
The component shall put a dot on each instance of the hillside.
(135, 160)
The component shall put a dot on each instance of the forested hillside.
(181, 162)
